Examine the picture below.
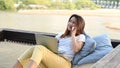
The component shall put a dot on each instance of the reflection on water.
(56, 23)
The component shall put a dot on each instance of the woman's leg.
(51, 60)
(18, 65)
(33, 64)
(40, 54)
(42, 65)
(24, 58)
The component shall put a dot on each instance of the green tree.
(85, 4)
(42, 2)
(57, 5)
(118, 1)
(69, 5)
(16, 1)
(7, 5)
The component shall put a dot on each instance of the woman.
(69, 43)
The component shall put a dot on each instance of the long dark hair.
(80, 26)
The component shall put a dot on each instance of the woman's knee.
(41, 47)
(17, 65)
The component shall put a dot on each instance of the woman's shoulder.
(81, 37)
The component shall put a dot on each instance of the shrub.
(7, 5)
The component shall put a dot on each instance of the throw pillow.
(88, 47)
(103, 47)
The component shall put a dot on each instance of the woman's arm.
(77, 45)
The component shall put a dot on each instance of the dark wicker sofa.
(29, 36)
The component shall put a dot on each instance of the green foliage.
(78, 4)
(85, 4)
(62, 5)
(43, 2)
(16, 1)
(57, 5)
(22, 6)
(69, 5)
(7, 5)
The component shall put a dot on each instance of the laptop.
(47, 41)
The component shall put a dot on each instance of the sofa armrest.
(23, 35)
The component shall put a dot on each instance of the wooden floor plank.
(118, 66)
(114, 61)
(111, 60)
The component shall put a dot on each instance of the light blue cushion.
(102, 41)
(88, 47)
(103, 47)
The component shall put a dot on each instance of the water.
(57, 23)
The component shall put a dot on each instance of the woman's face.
(72, 23)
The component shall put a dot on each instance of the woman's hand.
(77, 45)
(73, 31)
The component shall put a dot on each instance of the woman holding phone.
(70, 42)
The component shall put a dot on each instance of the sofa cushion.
(103, 47)
(88, 47)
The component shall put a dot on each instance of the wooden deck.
(111, 60)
